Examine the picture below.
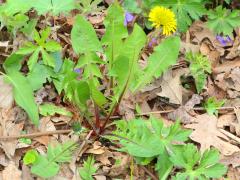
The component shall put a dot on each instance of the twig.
(169, 111)
(149, 173)
(235, 138)
(34, 135)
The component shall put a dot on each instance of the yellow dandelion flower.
(163, 17)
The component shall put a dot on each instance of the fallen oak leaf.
(11, 172)
(182, 112)
(6, 94)
(233, 160)
(207, 134)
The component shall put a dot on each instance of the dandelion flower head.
(165, 18)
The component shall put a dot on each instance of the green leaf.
(52, 46)
(132, 6)
(223, 21)
(195, 165)
(137, 139)
(163, 166)
(12, 7)
(185, 156)
(165, 54)
(30, 157)
(141, 138)
(51, 109)
(13, 63)
(199, 67)
(126, 65)
(33, 59)
(83, 36)
(23, 94)
(38, 76)
(45, 168)
(115, 32)
(47, 58)
(61, 152)
(25, 141)
(97, 95)
(211, 105)
(88, 169)
(88, 6)
(28, 48)
(54, 6)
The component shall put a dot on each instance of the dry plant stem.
(228, 134)
(149, 173)
(96, 111)
(34, 135)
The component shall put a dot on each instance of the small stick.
(149, 173)
(34, 135)
(235, 138)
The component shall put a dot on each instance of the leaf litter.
(206, 129)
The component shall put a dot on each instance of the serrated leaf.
(165, 54)
(211, 105)
(88, 169)
(54, 6)
(61, 152)
(51, 109)
(222, 20)
(163, 166)
(126, 66)
(83, 36)
(185, 156)
(199, 67)
(115, 32)
(147, 138)
(195, 165)
(24, 98)
(45, 168)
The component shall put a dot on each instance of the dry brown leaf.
(104, 158)
(233, 173)
(45, 125)
(207, 134)
(8, 127)
(6, 95)
(229, 82)
(183, 112)
(227, 66)
(96, 149)
(235, 50)
(171, 85)
(119, 169)
(233, 160)
(100, 177)
(11, 172)
(225, 120)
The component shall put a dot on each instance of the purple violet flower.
(152, 42)
(128, 18)
(221, 40)
(228, 39)
(78, 70)
(224, 40)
